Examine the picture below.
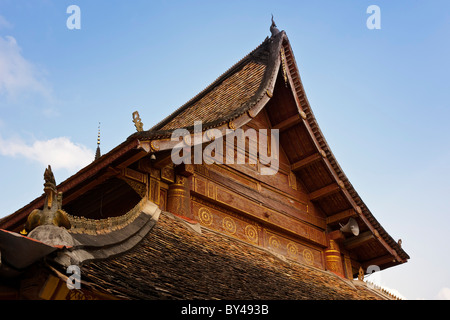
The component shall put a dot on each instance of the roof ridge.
(270, 48)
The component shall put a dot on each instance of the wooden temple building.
(135, 225)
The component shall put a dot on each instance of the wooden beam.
(289, 122)
(111, 172)
(162, 160)
(306, 162)
(341, 216)
(336, 235)
(132, 159)
(378, 261)
(323, 192)
(359, 240)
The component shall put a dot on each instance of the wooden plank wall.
(269, 211)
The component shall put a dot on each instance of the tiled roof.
(230, 95)
(175, 262)
(225, 98)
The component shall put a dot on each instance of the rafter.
(378, 261)
(359, 240)
(306, 162)
(341, 216)
(323, 192)
(288, 123)
(110, 172)
(132, 159)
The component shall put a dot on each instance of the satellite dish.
(351, 227)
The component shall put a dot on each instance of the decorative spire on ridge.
(97, 153)
(273, 28)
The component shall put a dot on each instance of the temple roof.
(241, 93)
(213, 266)
(151, 269)
(232, 94)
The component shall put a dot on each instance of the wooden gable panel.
(315, 177)
(282, 105)
(333, 204)
(297, 143)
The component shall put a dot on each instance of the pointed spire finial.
(97, 153)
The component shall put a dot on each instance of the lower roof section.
(179, 259)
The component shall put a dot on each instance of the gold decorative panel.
(230, 223)
(292, 249)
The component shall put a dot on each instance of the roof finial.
(273, 28)
(51, 214)
(137, 122)
(97, 153)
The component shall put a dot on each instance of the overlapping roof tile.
(175, 262)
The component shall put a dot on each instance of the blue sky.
(381, 97)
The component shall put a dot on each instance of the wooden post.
(333, 259)
(178, 196)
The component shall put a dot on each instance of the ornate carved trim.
(82, 225)
(135, 175)
(137, 122)
(139, 187)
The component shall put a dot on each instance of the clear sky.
(381, 96)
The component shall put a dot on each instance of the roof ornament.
(273, 28)
(98, 153)
(137, 122)
(361, 274)
(52, 213)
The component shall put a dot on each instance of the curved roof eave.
(318, 135)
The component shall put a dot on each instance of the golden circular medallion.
(274, 242)
(251, 233)
(308, 256)
(205, 216)
(229, 225)
(292, 249)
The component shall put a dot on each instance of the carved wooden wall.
(273, 212)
